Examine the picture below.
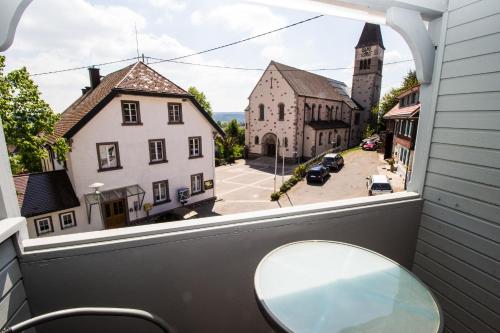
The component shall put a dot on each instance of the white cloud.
(241, 17)
(85, 34)
(393, 55)
(175, 5)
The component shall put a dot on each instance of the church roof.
(308, 84)
(371, 35)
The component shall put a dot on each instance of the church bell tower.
(367, 77)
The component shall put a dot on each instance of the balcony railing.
(198, 275)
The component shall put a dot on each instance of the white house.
(305, 113)
(140, 135)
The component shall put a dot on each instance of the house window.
(356, 118)
(195, 147)
(320, 139)
(197, 183)
(256, 140)
(174, 113)
(157, 151)
(130, 113)
(410, 129)
(285, 142)
(261, 112)
(108, 156)
(44, 225)
(281, 110)
(67, 220)
(160, 192)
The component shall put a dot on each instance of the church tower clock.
(367, 77)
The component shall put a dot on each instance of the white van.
(378, 184)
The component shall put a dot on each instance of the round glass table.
(324, 286)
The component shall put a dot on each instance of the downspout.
(350, 125)
(304, 126)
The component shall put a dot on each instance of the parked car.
(369, 145)
(317, 174)
(333, 162)
(378, 184)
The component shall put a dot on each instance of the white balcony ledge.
(267, 218)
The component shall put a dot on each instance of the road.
(247, 185)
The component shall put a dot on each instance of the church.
(300, 114)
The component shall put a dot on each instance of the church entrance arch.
(268, 144)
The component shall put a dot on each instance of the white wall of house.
(106, 126)
(281, 92)
(82, 223)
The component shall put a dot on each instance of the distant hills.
(228, 116)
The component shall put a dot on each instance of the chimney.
(95, 77)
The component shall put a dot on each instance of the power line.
(184, 56)
(83, 67)
(240, 41)
(262, 69)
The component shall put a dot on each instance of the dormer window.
(130, 113)
(175, 113)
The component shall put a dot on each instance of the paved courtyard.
(247, 185)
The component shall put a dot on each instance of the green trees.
(389, 100)
(27, 120)
(202, 99)
(232, 146)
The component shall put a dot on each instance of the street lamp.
(95, 187)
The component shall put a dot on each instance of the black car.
(317, 174)
(333, 162)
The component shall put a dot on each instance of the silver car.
(378, 184)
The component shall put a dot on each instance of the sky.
(54, 34)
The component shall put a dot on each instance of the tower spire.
(370, 36)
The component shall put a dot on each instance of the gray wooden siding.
(458, 250)
(13, 303)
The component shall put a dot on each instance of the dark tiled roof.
(137, 78)
(44, 192)
(309, 84)
(323, 124)
(371, 35)
(403, 112)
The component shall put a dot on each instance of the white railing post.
(8, 198)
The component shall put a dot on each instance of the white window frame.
(195, 146)
(197, 183)
(174, 113)
(62, 221)
(38, 226)
(158, 151)
(160, 192)
(109, 158)
(130, 110)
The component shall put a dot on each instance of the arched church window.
(319, 111)
(256, 140)
(281, 111)
(261, 112)
(339, 140)
(320, 139)
(285, 142)
(313, 112)
(329, 137)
